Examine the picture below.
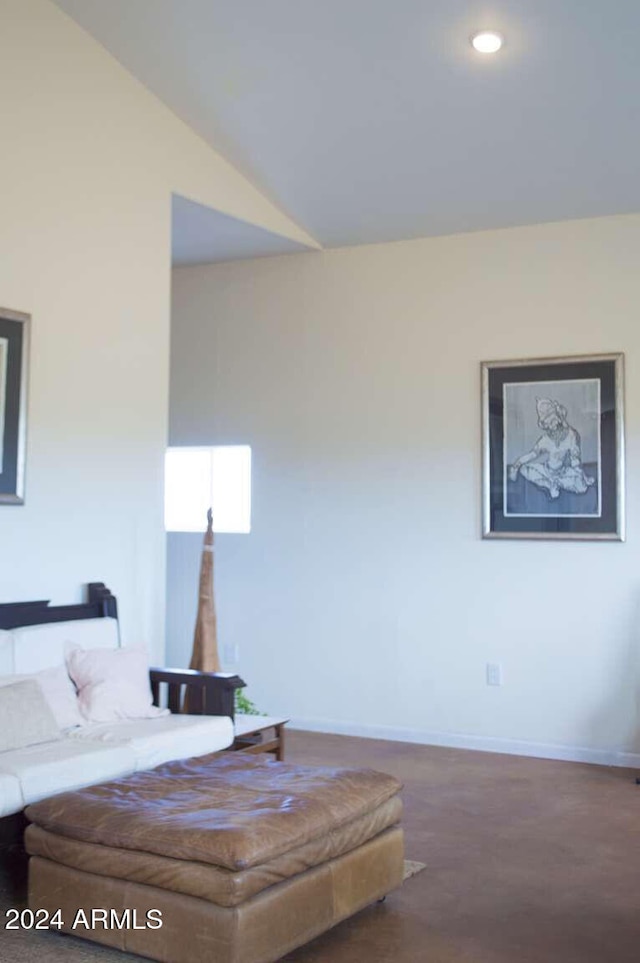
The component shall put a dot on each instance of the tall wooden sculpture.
(205, 655)
(210, 698)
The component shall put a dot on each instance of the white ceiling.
(201, 235)
(374, 120)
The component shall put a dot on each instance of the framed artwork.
(14, 361)
(553, 448)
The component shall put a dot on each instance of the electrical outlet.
(494, 673)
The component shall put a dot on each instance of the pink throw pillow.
(112, 683)
(59, 692)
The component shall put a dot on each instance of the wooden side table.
(260, 734)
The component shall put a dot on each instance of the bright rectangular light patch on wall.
(196, 478)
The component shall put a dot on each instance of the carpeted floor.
(527, 861)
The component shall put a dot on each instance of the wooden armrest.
(207, 693)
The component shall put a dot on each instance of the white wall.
(364, 600)
(89, 159)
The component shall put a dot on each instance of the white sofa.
(93, 752)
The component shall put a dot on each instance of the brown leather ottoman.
(241, 858)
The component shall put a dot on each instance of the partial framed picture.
(14, 361)
(553, 448)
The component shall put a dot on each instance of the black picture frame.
(553, 448)
(14, 366)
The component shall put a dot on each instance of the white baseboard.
(512, 747)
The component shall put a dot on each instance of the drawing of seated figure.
(555, 461)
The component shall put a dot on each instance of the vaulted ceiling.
(375, 120)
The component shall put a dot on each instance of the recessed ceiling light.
(487, 41)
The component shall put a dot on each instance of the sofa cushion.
(39, 647)
(10, 794)
(25, 716)
(154, 741)
(112, 684)
(55, 767)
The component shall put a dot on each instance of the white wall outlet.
(230, 654)
(494, 673)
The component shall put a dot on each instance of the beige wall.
(89, 159)
(364, 599)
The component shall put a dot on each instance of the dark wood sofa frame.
(210, 693)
